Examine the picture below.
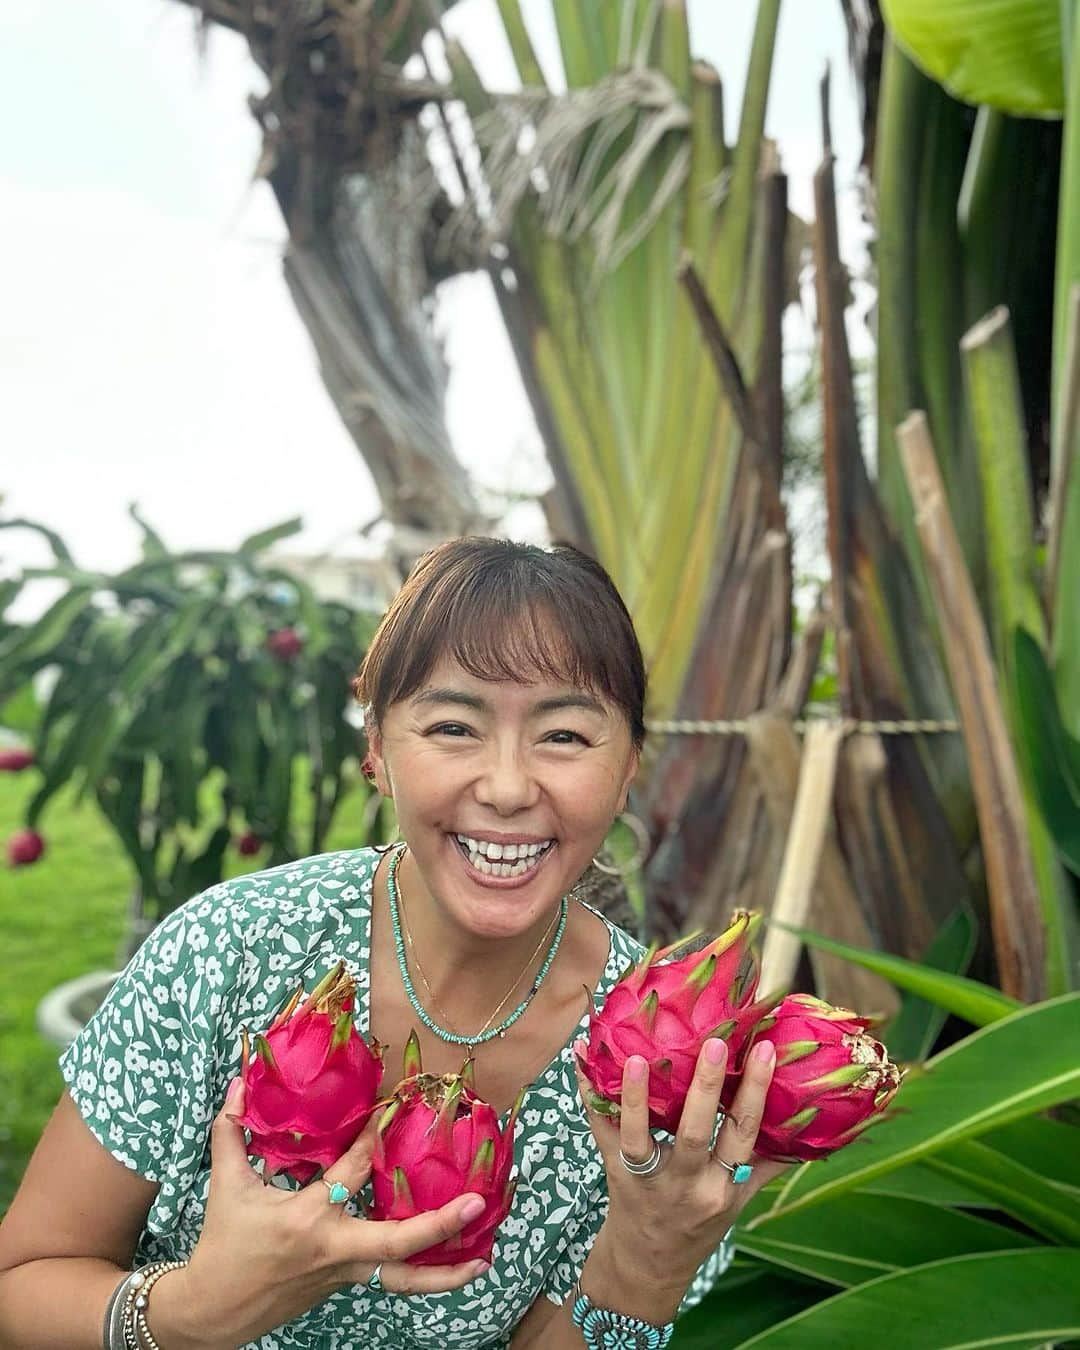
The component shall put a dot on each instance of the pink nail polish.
(764, 1052)
(636, 1068)
(472, 1208)
(715, 1051)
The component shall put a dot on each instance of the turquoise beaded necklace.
(406, 979)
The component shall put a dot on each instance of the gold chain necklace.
(431, 992)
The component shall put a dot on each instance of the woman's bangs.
(528, 643)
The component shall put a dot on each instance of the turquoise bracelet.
(607, 1330)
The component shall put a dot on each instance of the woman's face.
(478, 768)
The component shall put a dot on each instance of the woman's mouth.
(510, 861)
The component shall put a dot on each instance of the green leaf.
(979, 1004)
(153, 546)
(912, 1032)
(1013, 1298)
(42, 637)
(1018, 1188)
(1053, 756)
(1010, 1069)
(919, 1181)
(860, 1236)
(743, 1303)
(1007, 55)
(255, 543)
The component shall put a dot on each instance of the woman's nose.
(506, 783)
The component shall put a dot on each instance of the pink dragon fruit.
(15, 759)
(831, 1080)
(285, 645)
(666, 1011)
(25, 847)
(248, 844)
(437, 1140)
(312, 1083)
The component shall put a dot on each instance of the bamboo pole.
(1015, 911)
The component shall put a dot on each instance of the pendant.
(502, 1034)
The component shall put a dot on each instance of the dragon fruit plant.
(437, 1140)
(831, 1080)
(665, 1010)
(312, 1082)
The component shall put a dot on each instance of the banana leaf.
(1021, 1298)
(1007, 55)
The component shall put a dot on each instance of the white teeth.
(502, 860)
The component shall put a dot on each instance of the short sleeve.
(141, 1071)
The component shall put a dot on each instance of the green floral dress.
(149, 1072)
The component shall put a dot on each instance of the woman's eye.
(449, 729)
(571, 736)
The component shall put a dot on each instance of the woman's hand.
(266, 1255)
(673, 1219)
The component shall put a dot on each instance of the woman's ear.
(631, 774)
(375, 762)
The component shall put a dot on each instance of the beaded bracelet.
(604, 1329)
(137, 1335)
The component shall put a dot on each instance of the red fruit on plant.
(437, 1139)
(666, 1010)
(15, 759)
(831, 1080)
(248, 844)
(25, 847)
(312, 1083)
(286, 644)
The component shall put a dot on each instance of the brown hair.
(507, 611)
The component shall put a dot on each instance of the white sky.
(149, 350)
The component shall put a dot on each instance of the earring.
(637, 827)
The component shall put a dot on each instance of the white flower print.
(150, 1069)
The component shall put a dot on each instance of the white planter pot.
(65, 1010)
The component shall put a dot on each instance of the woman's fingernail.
(636, 1068)
(580, 1047)
(715, 1050)
(472, 1208)
(764, 1052)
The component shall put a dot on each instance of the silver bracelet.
(137, 1335)
(113, 1328)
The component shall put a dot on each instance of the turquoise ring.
(740, 1172)
(339, 1193)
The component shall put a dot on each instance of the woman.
(503, 697)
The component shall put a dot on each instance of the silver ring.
(339, 1192)
(374, 1282)
(740, 1172)
(646, 1168)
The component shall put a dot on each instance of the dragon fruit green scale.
(665, 1010)
(437, 1140)
(312, 1082)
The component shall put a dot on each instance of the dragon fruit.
(285, 645)
(312, 1083)
(831, 1080)
(248, 844)
(437, 1140)
(666, 1010)
(25, 847)
(15, 759)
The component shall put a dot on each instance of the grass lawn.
(61, 918)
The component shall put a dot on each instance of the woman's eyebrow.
(464, 700)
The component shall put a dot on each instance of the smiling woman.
(503, 698)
